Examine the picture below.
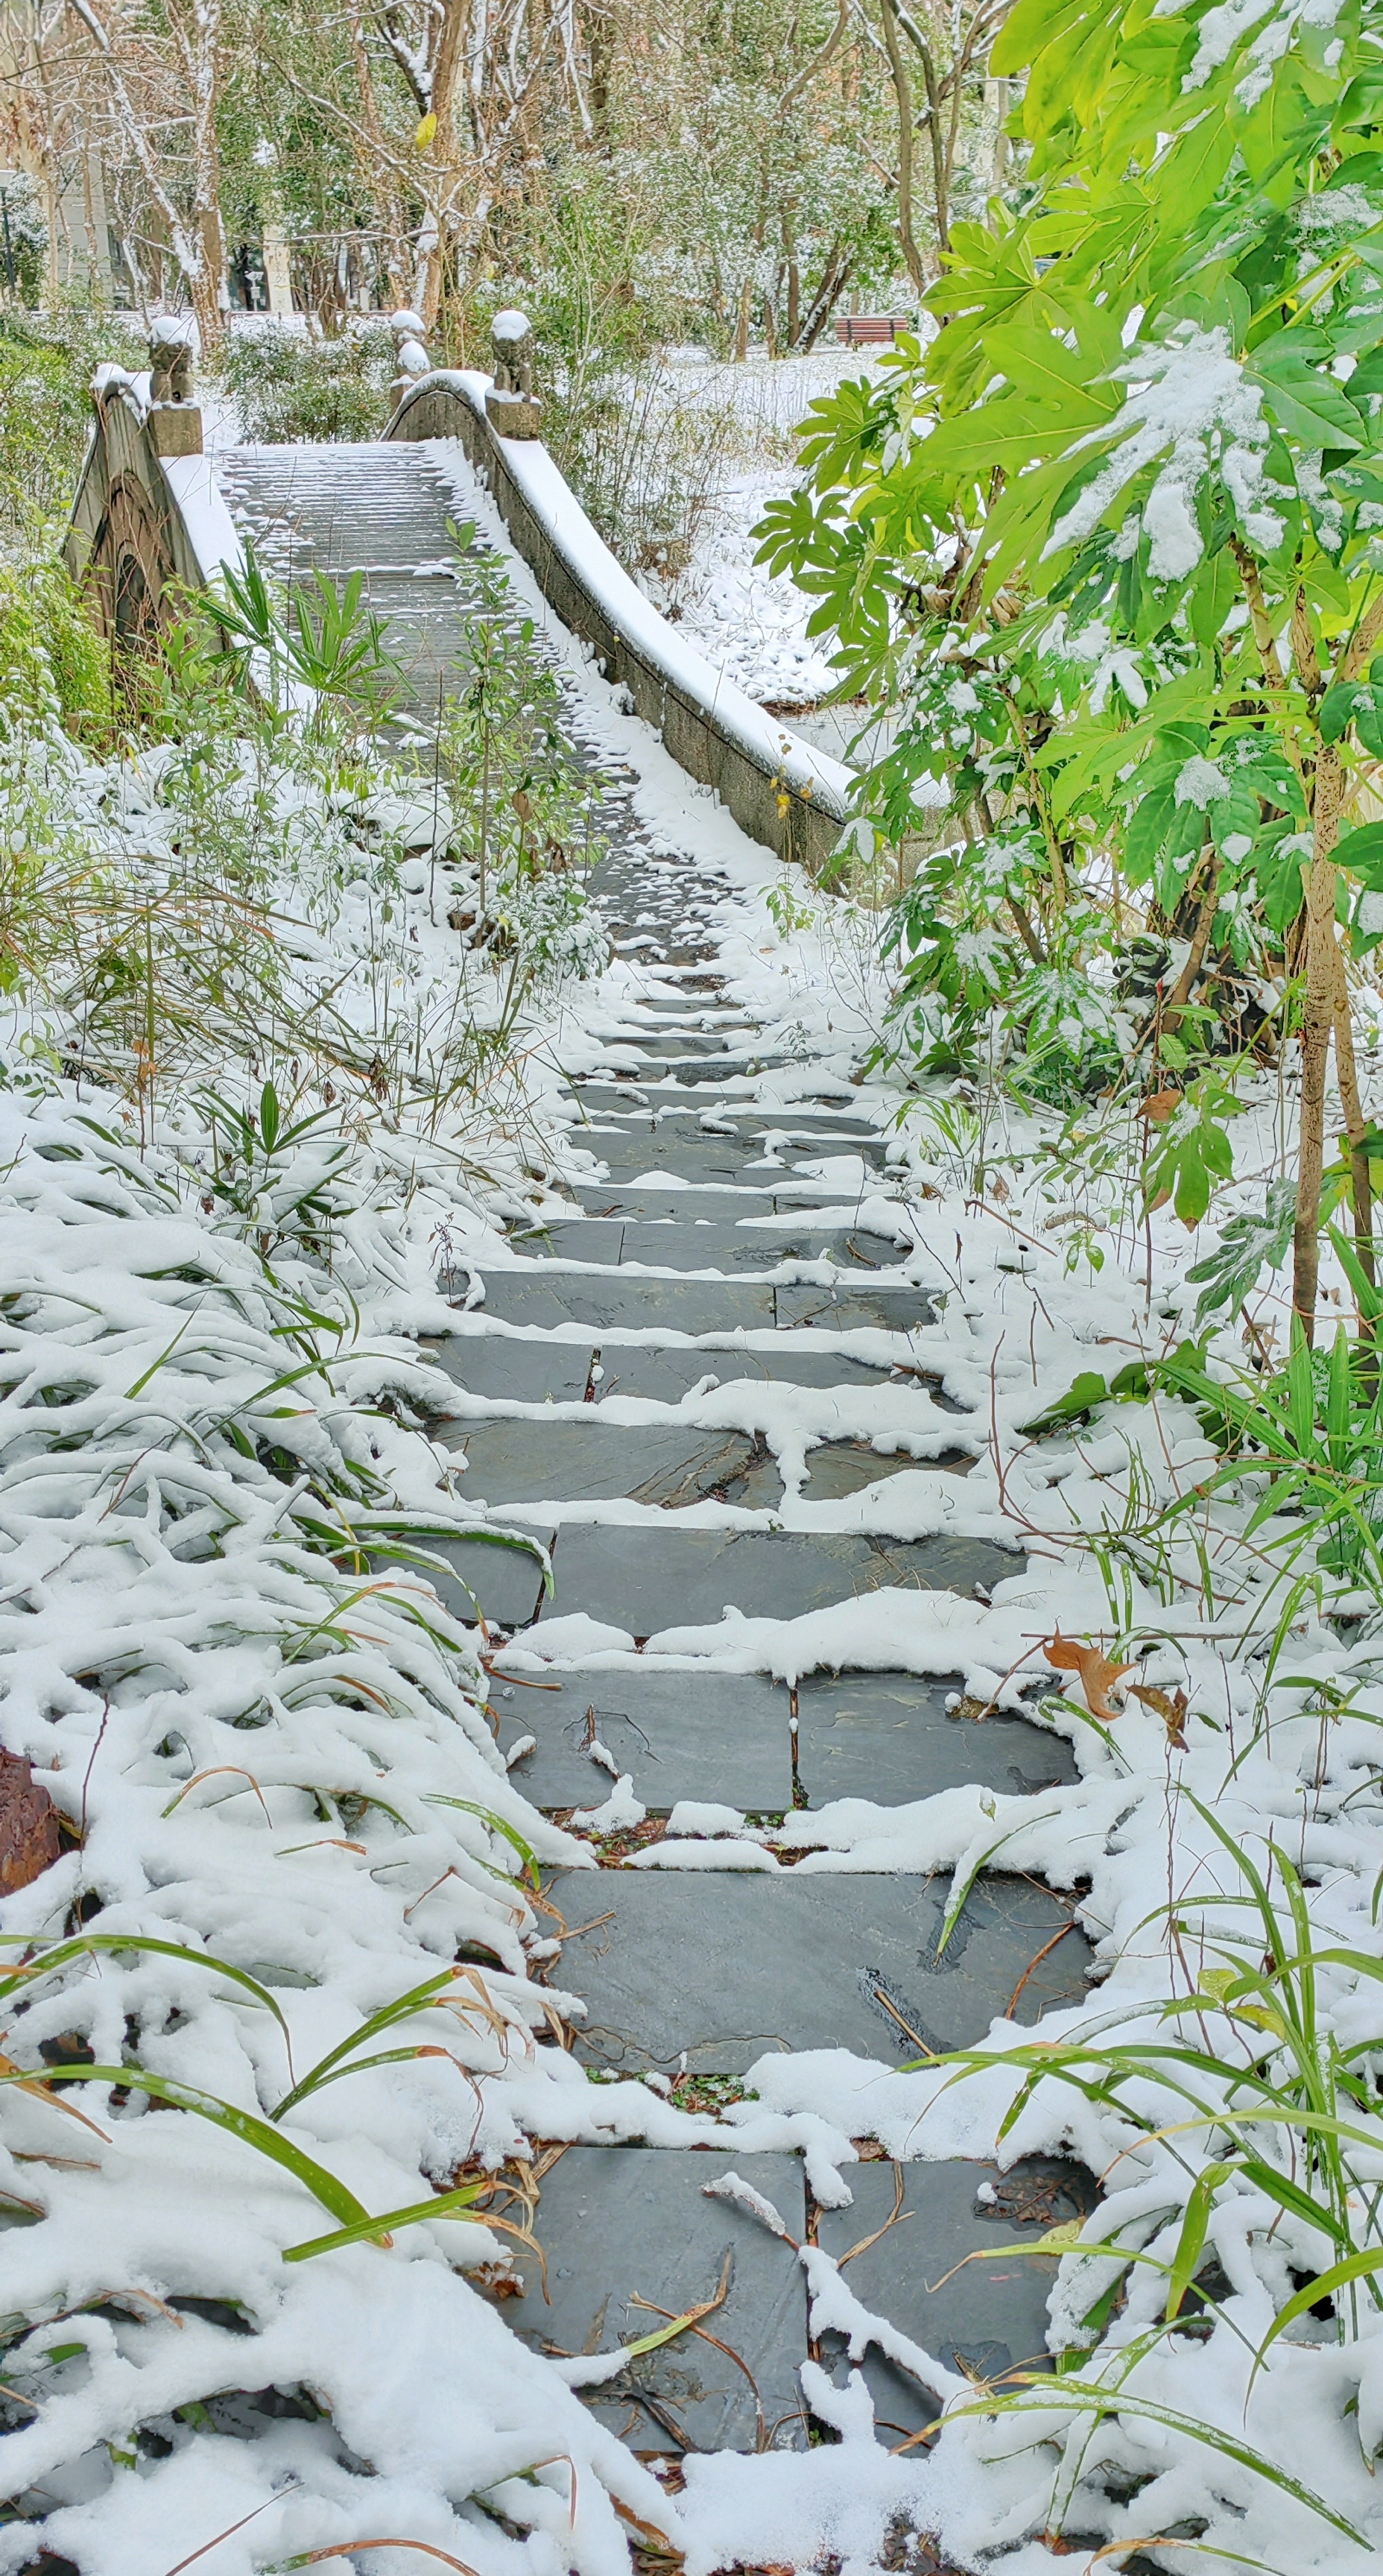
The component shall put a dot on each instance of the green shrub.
(289, 388)
(46, 366)
(52, 660)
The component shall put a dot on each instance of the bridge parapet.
(780, 789)
(148, 522)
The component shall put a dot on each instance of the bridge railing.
(149, 521)
(780, 789)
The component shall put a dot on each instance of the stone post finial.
(511, 405)
(175, 418)
(410, 353)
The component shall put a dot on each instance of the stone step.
(636, 2235)
(728, 1739)
(712, 1970)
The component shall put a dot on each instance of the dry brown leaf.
(1097, 1674)
(28, 1826)
(1159, 1106)
(1171, 1707)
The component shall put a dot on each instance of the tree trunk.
(1357, 1131)
(834, 275)
(903, 89)
(742, 323)
(208, 284)
(442, 154)
(1322, 969)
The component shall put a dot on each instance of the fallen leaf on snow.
(1171, 1707)
(28, 1825)
(1097, 1674)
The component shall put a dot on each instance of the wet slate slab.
(986, 2319)
(890, 1737)
(693, 1158)
(728, 1966)
(573, 1238)
(504, 1366)
(629, 2231)
(591, 1461)
(545, 1297)
(691, 1244)
(724, 1051)
(665, 1376)
(645, 1580)
(840, 1468)
(490, 1579)
(720, 1737)
(844, 1310)
(655, 1202)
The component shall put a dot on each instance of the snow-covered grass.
(749, 623)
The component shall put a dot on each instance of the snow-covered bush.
(288, 386)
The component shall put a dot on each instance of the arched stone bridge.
(154, 517)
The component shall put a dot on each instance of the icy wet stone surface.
(543, 1296)
(645, 1580)
(723, 1969)
(512, 1368)
(939, 2273)
(632, 2239)
(842, 1467)
(891, 1737)
(715, 1737)
(665, 1376)
(526, 1462)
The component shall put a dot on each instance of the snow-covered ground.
(752, 624)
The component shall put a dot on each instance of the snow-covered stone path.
(717, 1254)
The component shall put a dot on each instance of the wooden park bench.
(866, 330)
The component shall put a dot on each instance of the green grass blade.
(1191, 2242)
(962, 1884)
(1076, 2396)
(497, 1825)
(447, 2204)
(1355, 2267)
(256, 2133)
(417, 2000)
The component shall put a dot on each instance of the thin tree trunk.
(742, 323)
(1318, 1019)
(839, 263)
(1356, 1130)
(903, 87)
(443, 152)
(1195, 956)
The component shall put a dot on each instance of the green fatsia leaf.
(1061, 49)
(1362, 853)
(1306, 402)
(1213, 594)
(1183, 182)
(1152, 820)
(1278, 861)
(1067, 385)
